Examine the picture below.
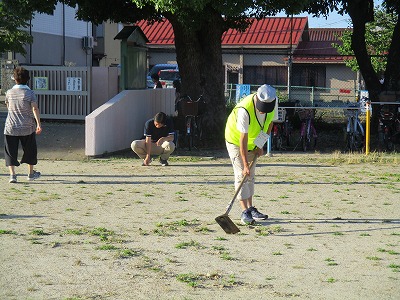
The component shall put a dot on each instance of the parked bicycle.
(281, 131)
(355, 134)
(189, 110)
(308, 133)
(389, 126)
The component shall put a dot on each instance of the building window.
(260, 74)
(309, 75)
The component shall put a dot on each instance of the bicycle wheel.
(287, 134)
(306, 143)
(199, 130)
(387, 139)
(352, 143)
(358, 141)
(277, 142)
(307, 136)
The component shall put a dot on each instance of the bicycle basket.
(189, 108)
(305, 113)
(387, 115)
(281, 115)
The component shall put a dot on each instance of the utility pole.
(290, 58)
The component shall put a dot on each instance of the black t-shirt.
(156, 133)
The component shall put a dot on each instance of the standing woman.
(22, 124)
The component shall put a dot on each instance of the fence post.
(269, 146)
(367, 127)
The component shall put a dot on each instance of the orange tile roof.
(268, 31)
(310, 45)
(319, 47)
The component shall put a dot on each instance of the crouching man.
(159, 136)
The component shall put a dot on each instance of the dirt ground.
(111, 229)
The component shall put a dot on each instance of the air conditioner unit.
(87, 42)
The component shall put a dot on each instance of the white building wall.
(340, 77)
(263, 60)
(53, 24)
(57, 42)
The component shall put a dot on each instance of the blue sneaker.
(33, 176)
(246, 217)
(256, 214)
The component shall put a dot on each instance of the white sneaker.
(13, 179)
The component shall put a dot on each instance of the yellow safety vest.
(232, 134)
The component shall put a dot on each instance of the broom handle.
(239, 187)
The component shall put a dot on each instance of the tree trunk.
(392, 72)
(358, 11)
(199, 56)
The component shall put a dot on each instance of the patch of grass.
(220, 238)
(219, 248)
(150, 263)
(160, 232)
(74, 231)
(268, 230)
(203, 229)
(394, 267)
(102, 232)
(189, 278)
(270, 278)
(374, 258)
(226, 256)
(365, 234)
(180, 198)
(178, 225)
(127, 253)
(312, 249)
(230, 281)
(331, 280)
(3, 231)
(331, 262)
(277, 253)
(38, 232)
(338, 233)
(285, 212)
(185, 245)
(107, 247)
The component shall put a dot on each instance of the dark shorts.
(29, 147)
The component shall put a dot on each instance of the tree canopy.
(378, 37)
(12, 38)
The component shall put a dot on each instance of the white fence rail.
(62, 92)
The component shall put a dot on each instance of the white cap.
(266, 98)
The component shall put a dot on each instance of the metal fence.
(304, 95)
(62, 92)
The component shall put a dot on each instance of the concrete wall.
(104, 85)
(114, 125)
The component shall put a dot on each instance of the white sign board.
(74, 84)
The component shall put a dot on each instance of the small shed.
(133, 57)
